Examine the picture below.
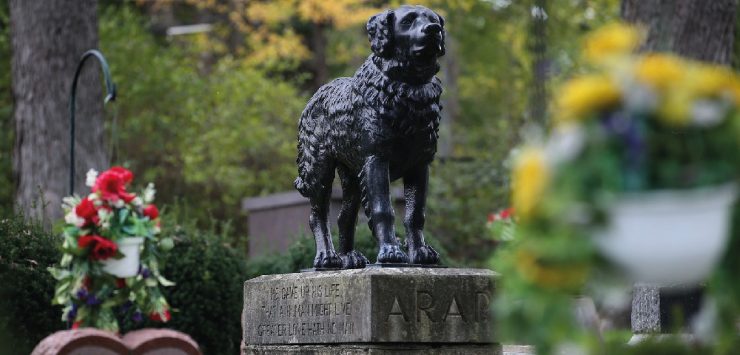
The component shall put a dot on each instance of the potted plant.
(639, 170)
(111, 246)
(645, 147)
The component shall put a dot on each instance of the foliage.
(26, 287)
(209, 138)
(640, 122)
(208, 273)
(95, 227)
(459, 191)
(280, 35)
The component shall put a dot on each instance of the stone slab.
(372, 349)
(371, 305)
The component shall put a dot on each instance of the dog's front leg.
(375, 182)
(415, 192)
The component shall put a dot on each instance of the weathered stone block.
(371, 305)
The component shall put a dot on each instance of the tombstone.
(382, 310)
(663, 310)
(91, 341)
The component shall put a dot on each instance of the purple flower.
(81, 294)
(145, 273)
(627, 130)
(137, 317)
(72, 314)
(126, 306)
(92, 300)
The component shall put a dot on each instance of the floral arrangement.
(502, 225)
(634, 122)
(95, 225)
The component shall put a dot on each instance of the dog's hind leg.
(415, 192)
(326, 257)
(347, 221)
(376, 198)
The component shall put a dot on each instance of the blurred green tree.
(205, 139)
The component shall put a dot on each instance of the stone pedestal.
(371, 310)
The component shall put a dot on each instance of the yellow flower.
(611, 40)
(585, 95)
(711, 80)
(660, 70)
(530, 178)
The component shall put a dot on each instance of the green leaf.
(164, 282)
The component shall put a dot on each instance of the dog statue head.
(409, 33)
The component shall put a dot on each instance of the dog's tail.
(308, 148)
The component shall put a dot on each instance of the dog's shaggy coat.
(375, 127)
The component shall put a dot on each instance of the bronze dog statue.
(373, 128)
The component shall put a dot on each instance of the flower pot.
(127, 266)
(669, 237)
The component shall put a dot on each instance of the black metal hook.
(110, 88)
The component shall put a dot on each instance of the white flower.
(137, 201)
(565, 143)
(149, 193)
(119, 203)
(70, 202)
(640, 99)
(707, 113)
(73, 219)
(92, 175)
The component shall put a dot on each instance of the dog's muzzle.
(429, 41)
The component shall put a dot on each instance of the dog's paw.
(327, 260)
(353, 260)
(390, 253)
(424, 255)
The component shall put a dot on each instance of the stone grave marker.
(382, 310)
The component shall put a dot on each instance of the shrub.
(26, 287)
(207, 298)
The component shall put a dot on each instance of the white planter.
(669, 237)
(128, 266)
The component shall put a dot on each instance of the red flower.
(87, 282)
(155, 316)
(86, 209)
(76, 324)
(112, 185)
(120, 283)
(109, 185)
(102, 248)
(492, 217)
(126, 175)
(507, 213)
(151, 211)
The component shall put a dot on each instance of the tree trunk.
(699, 29)
(319, 65)
(47, 38)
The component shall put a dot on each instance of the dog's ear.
(380, 33)
(442, 45)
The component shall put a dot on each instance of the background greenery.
(211, 117)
